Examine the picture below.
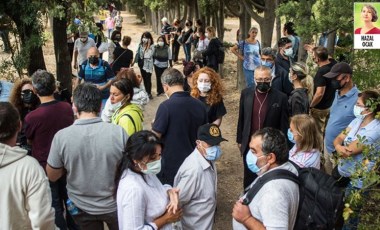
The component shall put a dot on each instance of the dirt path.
(229, 167)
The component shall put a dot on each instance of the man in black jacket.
(260, 106)
(280, 76)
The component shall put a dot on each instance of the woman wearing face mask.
(208, 88)
(25, 101)
(189, 68)
(357, 146)
(198, 26)
(123, 57)
(187, 38)
(140, 97)
(298, 99)
(115, 39)
(211, 53)
(162, 59)
(128, 115)
(249, 50)
(201, 45)
(348, 144)
(144, 59)
(303, 132)
(142, 201)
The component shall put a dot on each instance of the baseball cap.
(210, 133)
(338, 69)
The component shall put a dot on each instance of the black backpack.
(321, 200)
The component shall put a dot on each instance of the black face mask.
(263, 86)
(93, 60)
(335, 84)
(28, 97)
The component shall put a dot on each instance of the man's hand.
(173, 205)
(241, 212)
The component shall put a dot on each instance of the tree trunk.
(266, 27)
(62, 56)
(244, 26)
(331, 43)
(278, 23)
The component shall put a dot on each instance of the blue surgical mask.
(251, 161)
(213, 153)
(267, 64)
(152, 168)
(291, 137)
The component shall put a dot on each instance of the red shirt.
(43, 123)
(374, 30)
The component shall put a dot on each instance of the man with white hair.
(166, 28)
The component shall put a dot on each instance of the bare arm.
(54, 174)
(159, 135)
(75, 59)
(218, 121)
(242, 214)
(344, 151)
(318, 96)
(235, 50)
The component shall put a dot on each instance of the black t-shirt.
(321, 81)
(123, 61)
(214, 111)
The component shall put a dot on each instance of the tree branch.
(235, 12)
(252, 13)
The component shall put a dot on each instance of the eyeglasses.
(263, 79)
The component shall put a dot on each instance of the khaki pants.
(328, 161)
(321, 117)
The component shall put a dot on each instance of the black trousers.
(147, 77)
(175, 51)
(159, 72)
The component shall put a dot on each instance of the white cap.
(164, 19)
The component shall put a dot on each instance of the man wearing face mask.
(341, 111)
(284, 54)
(96, 71)
(70, 151)
(324, 91)
(275, 205)
(280, 77)
(176, 122)
(196, 180)
(260, 106)
(81, 47)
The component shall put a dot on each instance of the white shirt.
(202, 44)
(82, 49)
(140, 202)
(276, 203)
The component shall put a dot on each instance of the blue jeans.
(248, 74)
(187, 49)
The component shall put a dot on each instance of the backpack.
(321, 200)
(220, 54)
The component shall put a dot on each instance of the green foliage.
(366, 68)
(137, 7)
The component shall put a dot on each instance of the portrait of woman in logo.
(368, 17)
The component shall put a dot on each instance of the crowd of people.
(84, 162)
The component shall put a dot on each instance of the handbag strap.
(119, 57)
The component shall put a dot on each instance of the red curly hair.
(215, 95)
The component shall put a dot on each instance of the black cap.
(338, 69)
(210, 133)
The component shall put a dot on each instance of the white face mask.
(206, 35)
(145, 40)
(288, 52)
(161, 44)
(152, 168)
(204, 87)
(358, 112)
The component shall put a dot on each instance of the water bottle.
(73, 210)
